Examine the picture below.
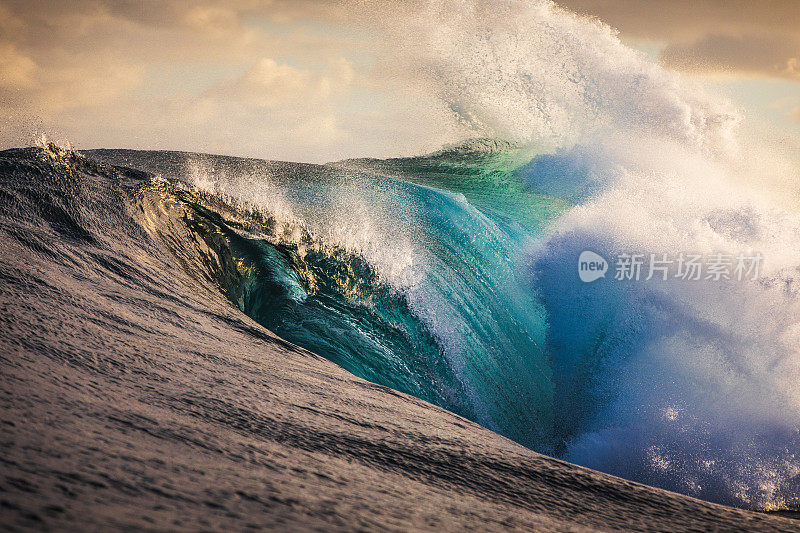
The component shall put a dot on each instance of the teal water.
(437, 307)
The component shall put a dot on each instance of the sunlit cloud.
(270, 84)
(298, 79)
(736, 55)
(17, 70)
(737, 37)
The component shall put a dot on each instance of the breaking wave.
(453, 276)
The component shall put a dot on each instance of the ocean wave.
(452, 276)
(404, 284)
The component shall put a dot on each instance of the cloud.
(737, 37)
(277, 103)
(786, 101)
(772, 56)
(30, 86)
(270, 84)
(295, 79)
(286, 79)
(16, 70)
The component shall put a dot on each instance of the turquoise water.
(437, 307)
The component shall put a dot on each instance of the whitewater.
(208, 287)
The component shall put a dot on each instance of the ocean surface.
(444, 277)
(177, 300)
(140, 390)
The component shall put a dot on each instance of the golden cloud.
(270, 84)
(243, 75)
(773, 56)
(16, 69)
(708, 36)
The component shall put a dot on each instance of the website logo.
(591, 266)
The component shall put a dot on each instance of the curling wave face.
(477, 310)
(691, 387)
(400, 283)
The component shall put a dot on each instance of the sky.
(324, 80)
